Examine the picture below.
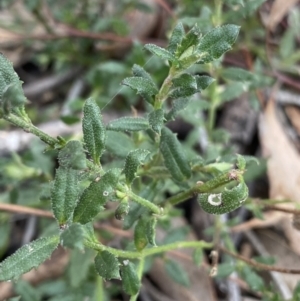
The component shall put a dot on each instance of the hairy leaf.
(95, 196)
(140, 234)
(224, 202)
(94, 133)
(122, 210)
(217, 41)
(27, 257)
(12, 97)
(73, 237)
(189, 41)
(160, 52)
(177, 106)
(107, 265)
(183, 86)
(156, 120)
(174, 156)
(72, 156)
(64, 194)
(151, 230)
(139, 71)
(203, 81)
(241, 162)
(130, 124)
(143, 86)
(134, 159)
(176, 38)
(119, 144)
(130, 280)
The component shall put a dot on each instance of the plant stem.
(131, 195)
(258, 265)
(30, 128)
(148, 252)
(140, 275)
(218, 12)
(208, 186)
(164, 89)
(99, 290)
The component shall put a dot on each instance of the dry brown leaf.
(293, 113)
(283, 167)
(279, 9)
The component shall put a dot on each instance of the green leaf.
(255, 282)
(233, 91)
(203, 81)
(176, 38)
(160, 52)
(73, 237)
(72, 156)
(189, 41)
(13, 97)
(251, 7)
(89, 233)
(217, 41)
(136, 210)
(225, 269)
(143, 86)
(140, 234)
(173, 155)
(177, 106)
(241, 162)
(79, 267)
(64, 194)
(177, 234)
(122, 210)
(134, 159)
(28, 292)
(107, 265)
(287, 44)
(176, 272)
(156, 120)
(198, 256)
(9, 80)
(151, 230)
(94, 133)
(119, 144)
(224, 202)
(237, 74)
(27, 257)
(131, 124)
(139, 71)
(95, 196)
(183, 86)
(130, 280)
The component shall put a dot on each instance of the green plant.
(85, 180)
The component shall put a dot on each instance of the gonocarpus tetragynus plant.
(157, 156)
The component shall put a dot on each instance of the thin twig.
(282, 209)
(25, 210)
(259, 266)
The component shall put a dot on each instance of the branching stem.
(148, 252)
(30, 128)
